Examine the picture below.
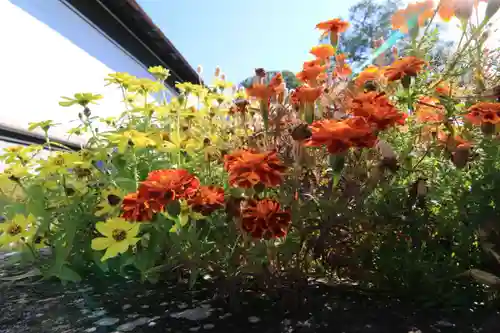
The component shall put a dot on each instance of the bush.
(384, 176)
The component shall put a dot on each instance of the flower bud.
(461, 155)
(488, 128)
(199, 70)
(463, 9)
(217, 71)
(301, 132)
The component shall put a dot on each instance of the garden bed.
(98, 305)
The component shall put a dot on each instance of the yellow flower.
(145, 86)
(159, 72)
(110, 202)
(18, 230)
(122, 79)
(180, 142)
(131, 137)
(62, 162)
(190, 88)
(40, 242)
(118, 234)
(82, 99)
(17, 154)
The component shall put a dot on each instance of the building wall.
(49, 51)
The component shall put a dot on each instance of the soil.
(97, 305)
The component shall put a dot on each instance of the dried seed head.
(386, 149)
(301, 132)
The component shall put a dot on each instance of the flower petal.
(101, 243)
(115, 249)
(105, 228)
(134, 230)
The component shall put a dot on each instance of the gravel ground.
(127, 306)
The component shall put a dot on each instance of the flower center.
(119, 235)
(59, 161)
(113, 200)
(14, 229)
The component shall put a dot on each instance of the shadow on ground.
(127, 306)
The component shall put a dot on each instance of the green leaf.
(103, 265)
(485, 278)
(174, 208)
(193, 277)
(67, 274)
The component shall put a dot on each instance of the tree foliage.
(369, 20)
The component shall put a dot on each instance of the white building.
(54, 48)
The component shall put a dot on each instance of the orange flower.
(377, 109)
(451, 143)
(163, 186)
(370, 73)
(429, 110)
(248, 168)
(207, 199)
(459, 8)
(407, 66)
(306, 94)
(334, 26)
(136, 209)
(265, 91)
(340, 135)
(260, 91)
(265, 219)
(277, 83)
(342, 69)
(417, 12)
(443, 89)
(311, 70)
(323, 51)
(484, 112)
(446, 9)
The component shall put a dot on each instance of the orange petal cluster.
(407, 66)
(443, 89)
(323, 51)
(312, 71)
(429, 110)
(306, 94)
(370, 73)
(342, 69)
(160, 188)
(265, 219)
(334, 26)
(166, 185)
(264, 91)
(417, 12)
(248, 168)
(207, 199)
(340, 135)
(484, 112)
(137, 209)
(452, 143)
(376, 109)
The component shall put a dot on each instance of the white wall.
(49, 51)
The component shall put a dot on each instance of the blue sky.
(242, 35)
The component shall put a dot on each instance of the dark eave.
(128, 25)
(22, 137)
